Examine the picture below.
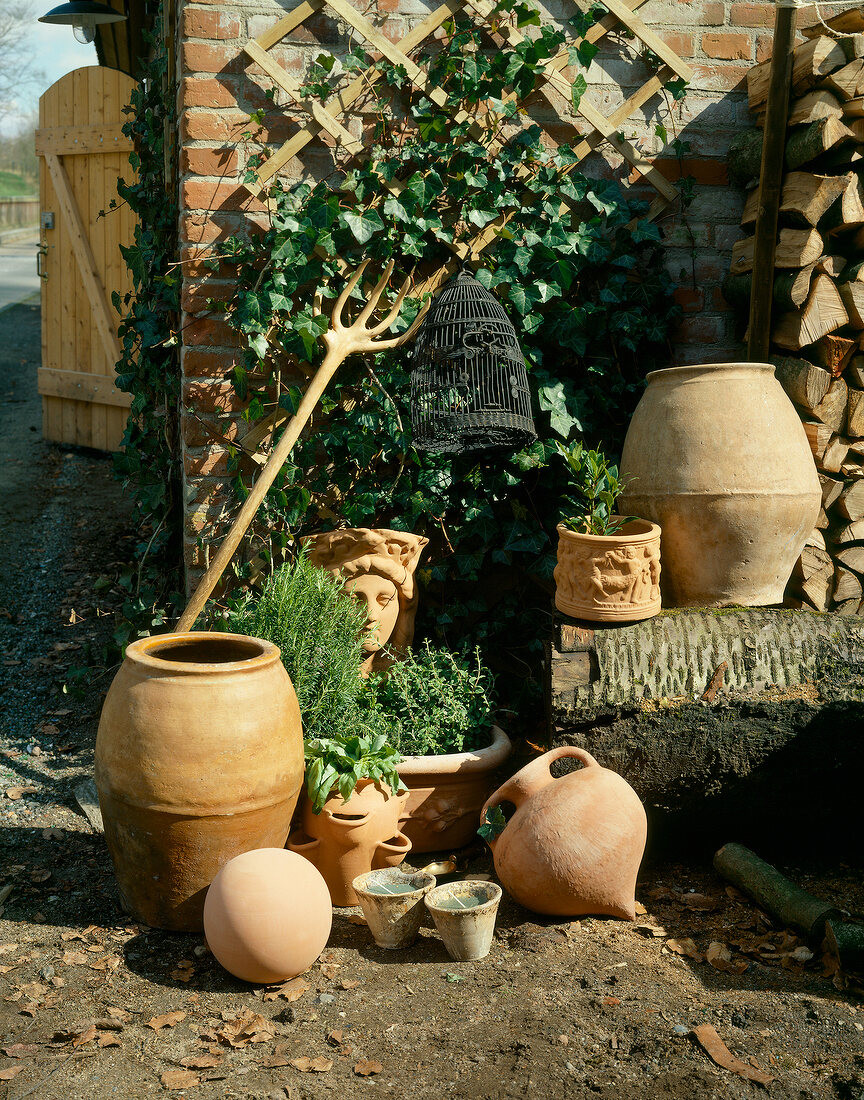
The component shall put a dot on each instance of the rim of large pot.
(475, 760)
(446, 890)
(648, 533)
(197, 651)
(706, 368)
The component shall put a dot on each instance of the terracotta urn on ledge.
(717, 456)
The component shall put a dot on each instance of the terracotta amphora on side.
(352, 837)
(199, 758)
(574, 844)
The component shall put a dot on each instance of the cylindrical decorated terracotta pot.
(574, 844)
(445, 794)
(609, 578)
(718, 457)
(199, 757)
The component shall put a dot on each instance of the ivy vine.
(575, 263)
(149, 456)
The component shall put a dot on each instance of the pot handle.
(533, 778)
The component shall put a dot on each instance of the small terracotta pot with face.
(378, 568)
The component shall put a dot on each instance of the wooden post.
(771, 182)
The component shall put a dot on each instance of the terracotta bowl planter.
(609, 578)
(445, 794)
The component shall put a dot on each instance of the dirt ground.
(93, 1005)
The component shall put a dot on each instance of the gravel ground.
(94, 1005)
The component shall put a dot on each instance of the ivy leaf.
(580, 86)
(393, 208)
(259, 345)
(553, 399)
(364, 226)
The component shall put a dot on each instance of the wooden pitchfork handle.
(340, 341)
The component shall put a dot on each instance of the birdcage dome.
(469, 386)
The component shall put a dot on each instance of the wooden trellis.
(325, 117)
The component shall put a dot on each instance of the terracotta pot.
(392, 904)
(445, 794)
(464, 914)
(267, 915)
(347, 839)
(718, 457)
(609, 578)
(199, 757)
(574, 844)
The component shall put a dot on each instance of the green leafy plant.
(335, 765)
(493, 824)
(597, 486)
(435, 702)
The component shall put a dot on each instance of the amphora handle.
(533, 778)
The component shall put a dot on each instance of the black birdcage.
(469, 387)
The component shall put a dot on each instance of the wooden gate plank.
(81, 386)
(84, 256)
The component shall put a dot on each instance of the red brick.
(719, 77)
(210, 362)
(690, 300)
(198, 194)
(208, 57)
(208, 228)
(197, 297)
(210, 24)
(211, 396)
(728, 47)
(202, 126)
(682, 44)
(714, 14)
(700, 328)
(209, 332)
(213, 461)
(710, 271)
(207, 92)
(320, 29)
(764, 46)
(751, 15)
(713, 173)
(209, 162)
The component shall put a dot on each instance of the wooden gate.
(83, 152)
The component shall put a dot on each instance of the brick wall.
(217, 91)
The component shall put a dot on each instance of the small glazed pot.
(392, 903)
(349, 838)
(464, 914)
(609, 578)
(574, 845)
(445, 794)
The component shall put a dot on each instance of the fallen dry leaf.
(641, 911)
(85, 1036)
(685, 946)
(75, 958)
(20, 1050)
(349, 983)
(203, 1061)
(657, 931)
(248, 1027)
(611, 1000)
(183, 971)
(107, 1040)
(356, 918)
(707, 1037)
(14, 793)
(700, 902)
(329, 969)
(291, 991)
(168, 1020)
(8, 1074)
(41, 874)
(720, 957)
(367, 1068)
(312, 1065)
(106, 962)
(180, 1079)
(334, 1037)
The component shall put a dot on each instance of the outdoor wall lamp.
(82, 16)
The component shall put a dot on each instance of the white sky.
(55, 52)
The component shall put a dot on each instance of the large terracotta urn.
(351, 837)
(718, 457)
(199, 758)
(574, 844)
(446, 792)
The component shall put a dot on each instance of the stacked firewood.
(817, 331)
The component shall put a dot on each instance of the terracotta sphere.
(267, 915)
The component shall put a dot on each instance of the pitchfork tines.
(343, 340)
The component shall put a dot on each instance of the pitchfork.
(340, 341)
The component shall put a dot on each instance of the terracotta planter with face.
(378, 567)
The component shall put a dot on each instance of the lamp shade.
(82, 16)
